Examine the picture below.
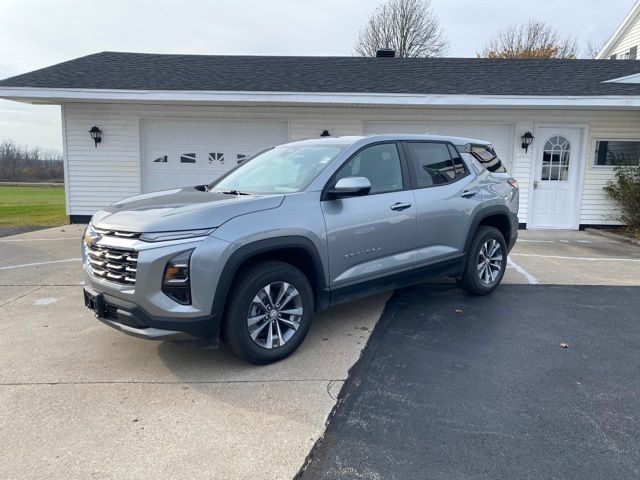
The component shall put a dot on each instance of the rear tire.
(486, 262)
(269, 312)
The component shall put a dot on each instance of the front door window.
(555, 159)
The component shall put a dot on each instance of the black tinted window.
(434, 163)
(486, 155)
(380, 164)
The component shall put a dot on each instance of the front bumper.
(133, 320)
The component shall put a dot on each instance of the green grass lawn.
(32, 206)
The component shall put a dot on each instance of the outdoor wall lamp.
(96, 135)
(527, 139)
(325, 134)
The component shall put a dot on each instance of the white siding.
(99, 176)
(629, 40)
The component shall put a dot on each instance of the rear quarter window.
(486, 156)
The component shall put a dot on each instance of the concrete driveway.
(80, 400)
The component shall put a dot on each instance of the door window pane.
(188, 158)
(380, 164)
(555, 159)
(617, 152)
(216, 158)
(432, 163)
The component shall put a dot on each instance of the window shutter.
(633, 53)
(613, 57)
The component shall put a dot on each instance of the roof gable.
(627, 24)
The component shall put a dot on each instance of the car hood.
(189, 208)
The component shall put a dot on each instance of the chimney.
(386, 52)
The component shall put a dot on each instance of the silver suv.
(296, 229)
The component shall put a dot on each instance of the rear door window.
(435, 163)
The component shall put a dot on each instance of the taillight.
(513, 182)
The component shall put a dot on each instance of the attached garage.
(501, 135)
(163, 129)
(181, 152)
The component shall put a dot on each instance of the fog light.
(175, 281)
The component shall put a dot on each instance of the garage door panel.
(191, 152)
(500, 135)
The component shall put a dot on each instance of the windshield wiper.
(232, 192)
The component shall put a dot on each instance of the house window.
(241, 157)
(162, 159)
(216, 158)
(610, 153)
(631, 54)
(555, 159)
(188, 158)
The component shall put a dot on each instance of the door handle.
(398, 207)
(535, 184)
(468, 194)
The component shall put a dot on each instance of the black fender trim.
(485, 213)
(245, 252)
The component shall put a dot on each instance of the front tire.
(486, 262)
(269, 312)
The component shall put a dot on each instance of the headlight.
(89, 238)
(175, 280)
(180, 235)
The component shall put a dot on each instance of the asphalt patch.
(458, 387)
(8, 231)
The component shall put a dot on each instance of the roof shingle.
(447, 76)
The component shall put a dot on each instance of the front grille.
(113, 264)
(116, 233)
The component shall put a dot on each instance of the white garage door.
(183, 152)
(501, 135)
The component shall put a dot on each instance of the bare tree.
(593, 49)
(21, 164)
(534, 39)
(407, 26)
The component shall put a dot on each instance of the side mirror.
(350, 187)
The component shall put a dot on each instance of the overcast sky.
(37, 33)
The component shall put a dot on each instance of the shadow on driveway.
(453, 386)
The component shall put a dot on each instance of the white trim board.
(61, 95)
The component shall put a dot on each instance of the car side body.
(346, 246)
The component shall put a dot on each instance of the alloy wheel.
(274, 315)
(489, 262)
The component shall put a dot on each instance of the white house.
(623, 44)
(173, 120)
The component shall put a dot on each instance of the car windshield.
(284, 169)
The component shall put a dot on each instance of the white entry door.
(186, 152)
(557, 166)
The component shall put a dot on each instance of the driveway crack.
(21, 296)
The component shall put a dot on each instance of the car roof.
(365, 139)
